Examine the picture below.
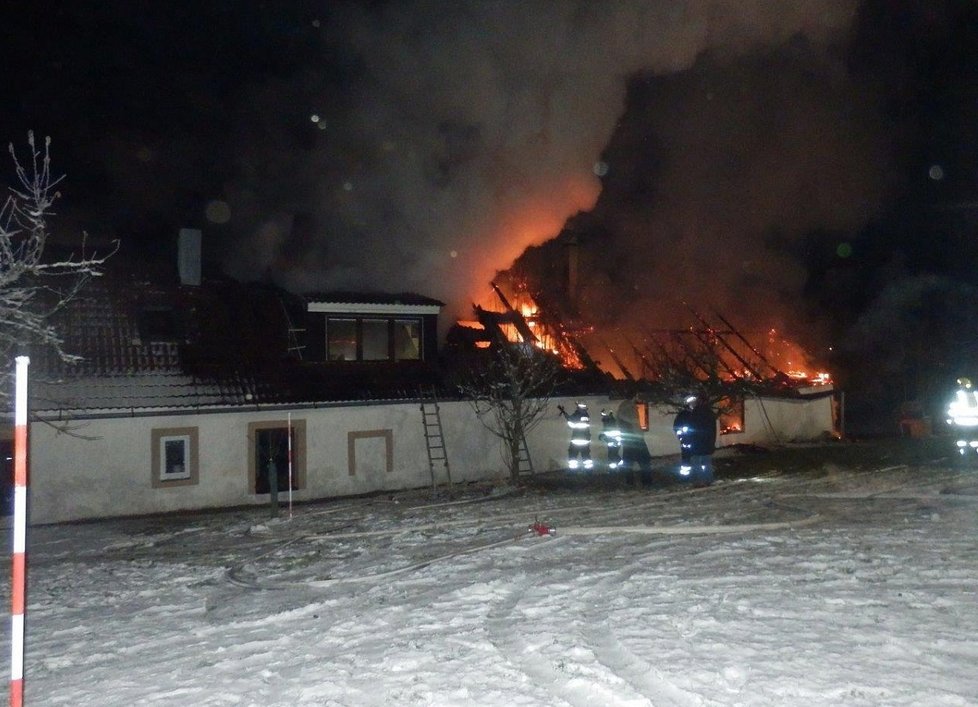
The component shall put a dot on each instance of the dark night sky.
(800, 161)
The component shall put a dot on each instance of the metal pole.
(290, 464)
(18, 587)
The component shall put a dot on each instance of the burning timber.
(708, 354)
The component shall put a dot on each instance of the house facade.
(194, 397)
(131, 462)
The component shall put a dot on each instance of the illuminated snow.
(844, 587)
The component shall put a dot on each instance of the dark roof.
(223, 344)
(339, 297)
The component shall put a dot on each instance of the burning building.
(522, 309)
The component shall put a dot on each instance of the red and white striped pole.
(18, 587)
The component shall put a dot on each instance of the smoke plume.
(717, 177)
(450, 136)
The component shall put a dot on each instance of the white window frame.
(190, 437)
(174, 476)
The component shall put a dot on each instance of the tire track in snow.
(514, 648)
(574, 676)
(636, 671)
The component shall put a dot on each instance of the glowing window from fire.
(732, 422)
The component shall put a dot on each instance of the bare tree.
(509, 387)
(32, 290)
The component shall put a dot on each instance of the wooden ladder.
(434, 437)
(525, 462)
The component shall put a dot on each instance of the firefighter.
(696, 427)
(634, 450)
(579, 450)
(611, 436)
(962, 416)
(683, 429)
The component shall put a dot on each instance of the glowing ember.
(516, 316)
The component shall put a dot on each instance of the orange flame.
(548, 337)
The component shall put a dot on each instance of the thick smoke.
(739, 162)
(452, 135)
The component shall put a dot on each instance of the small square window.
(175, 457)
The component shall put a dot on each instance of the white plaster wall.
(110, 474)
(780, 420)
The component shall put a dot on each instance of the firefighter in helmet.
(683, 428)
(696, 428)
(579, 450)
(611, 436)
(962, 416)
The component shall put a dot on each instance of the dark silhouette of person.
(696, 427)
(634, 450)
(611, 436)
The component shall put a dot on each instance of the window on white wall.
(732, 418)
(175, 456)
(276, 454)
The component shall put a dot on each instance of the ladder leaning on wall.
(434, 437)
(524, 462)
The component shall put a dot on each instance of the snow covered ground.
(833, 586)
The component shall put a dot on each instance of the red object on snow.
(542, 529)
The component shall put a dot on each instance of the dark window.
(341, 340)
(272, 458)
(175, 460)
(373, 339)
(407, 340)
(376, 339)
(175, 457)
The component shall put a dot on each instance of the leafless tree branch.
(509, 389)
(31, 289)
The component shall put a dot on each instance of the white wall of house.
(348, 450)
(780, 420)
